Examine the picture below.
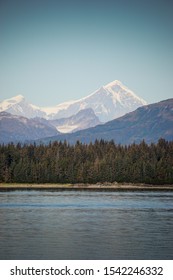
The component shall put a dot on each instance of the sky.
(53, 51)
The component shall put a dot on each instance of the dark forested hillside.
(101, 161)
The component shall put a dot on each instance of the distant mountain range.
(83, 119)
(113, 112)
(108, 102)
(148, 123)
(15, 128)
(19, 129)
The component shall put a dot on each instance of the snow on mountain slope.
(83, 119)
(108, 102)
(19, 106)
(148, 123)
(50, 111)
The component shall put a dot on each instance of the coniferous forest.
(101, 161)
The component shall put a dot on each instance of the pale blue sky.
(55, 51)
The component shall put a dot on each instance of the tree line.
(102, 161)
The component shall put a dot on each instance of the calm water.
(86, 225)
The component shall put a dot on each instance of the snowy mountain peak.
(18, 105)
(114, 83)
(7, 103)
(121, 92)
(18, 98)
(117, 86)
(108, 102)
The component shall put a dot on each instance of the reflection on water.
(86, 225)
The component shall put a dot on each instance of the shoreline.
(85, 187)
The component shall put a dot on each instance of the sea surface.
(86, 225)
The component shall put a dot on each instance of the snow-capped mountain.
(108, 102)
(20, 107)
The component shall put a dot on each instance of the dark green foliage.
(87, 163)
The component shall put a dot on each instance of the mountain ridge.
(83, 119)
(149, 123)
(108, 102)
(14, 128)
